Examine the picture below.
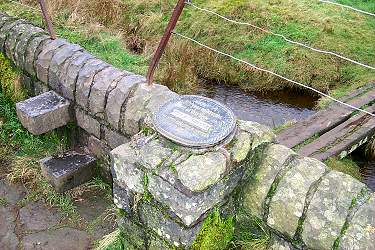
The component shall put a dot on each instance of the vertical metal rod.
(47, 18)
(164, 41)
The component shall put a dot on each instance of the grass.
(137, 25)
(346, 166)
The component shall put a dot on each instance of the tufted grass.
(346, 166)
(139, 24)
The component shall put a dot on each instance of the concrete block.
(69, 170)
(43, 113)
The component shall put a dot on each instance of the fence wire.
(281, 36)
(348, 7)
(273, 73)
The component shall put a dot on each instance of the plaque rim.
(189, 143)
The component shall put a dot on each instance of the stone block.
(261, 134)
(55, 67)
(113, 138)
(13, 36)
(360, 234)
(104, 81)
(43, 113)
(276, 158)
(43, 61)
(32, 51)
(118, 96)
(5, 18)
(86, 79)
(88, 123)
(6, 29)
(23, 41)
(167, 228)
(123, 198)
(40, 88)
(69, 73)
(328, 209)
(153, 154)
(69, 170)
(97, 147)
(288, 203)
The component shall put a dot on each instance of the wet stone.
(32, 51)
(69, 170)
(56, 62)
(288, 202)
(118, 96)
(86, 79)
(43, 113)
(104, 82)
(43, 61)
(328, 209)
(11, 41)
(88, 123)
(62, 238)
(360, 234)
(255, 193)
(35, 216)
(69, 73)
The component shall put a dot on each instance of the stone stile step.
(68, 170)
(43, 113)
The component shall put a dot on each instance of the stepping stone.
(43, 113)
(68, 170)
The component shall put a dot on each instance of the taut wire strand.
(348, 7)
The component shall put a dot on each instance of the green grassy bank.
(134, 28)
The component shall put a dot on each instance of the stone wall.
(166, 191)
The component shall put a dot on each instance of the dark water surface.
(271, 109)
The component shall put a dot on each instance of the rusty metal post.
(165, 39)
(47, 19)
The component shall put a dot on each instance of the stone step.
(68, 170)
(326, 119)
(342, 139)
(43, 113)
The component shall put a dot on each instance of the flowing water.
(271, 109)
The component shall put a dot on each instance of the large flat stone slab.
(43, 113)
(8, 237)
(35, 216)
(69, 170)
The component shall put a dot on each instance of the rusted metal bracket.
(165, 39)
(47, 19)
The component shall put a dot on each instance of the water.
(271, 109)
(367, 166)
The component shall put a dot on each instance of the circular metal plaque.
(194, 121)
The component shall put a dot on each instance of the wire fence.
(348, 7)
(282, 36)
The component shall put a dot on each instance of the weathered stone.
(157, 244)
(255, 192)
(360, 234)
(201, 171)
(118, 96)
(35, 216)
(113, 138)
(97, 147)
(21, 46)
(241, 147)
(104, 82)
(86, 79)
(122, 198)
(261, 134)
(124, 170)
(6, 29)
(43, 60)
(43, 113)
(40, 88)
(62, 239)
(136, 110)
(328, 209)
(288, 202)
(280, 244)
(69, 73)
(88, 123)
(166, 228)
(153, 154)
(55, 67)
(32, 51)
(69, 170)
(133, 233)
(190, 208)
(5, 18)
(11, 41)
(8, 238)
(11, 193)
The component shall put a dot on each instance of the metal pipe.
(47, 19)
(165, 39)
